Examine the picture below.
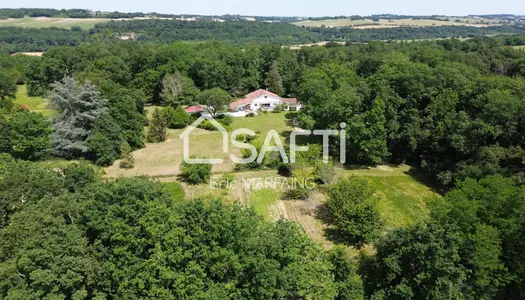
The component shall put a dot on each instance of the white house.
(263, 100)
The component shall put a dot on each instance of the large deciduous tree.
(352, 212)
(215, 100)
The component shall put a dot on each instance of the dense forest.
(452, 109)
(235, 33)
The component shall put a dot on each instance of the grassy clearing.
(384, 23)
(35, 104)
(264, 201)
(164, 159)
(175, 190)
(67, 23)
(519, 47)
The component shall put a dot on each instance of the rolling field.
(385, 23)
(52, 22)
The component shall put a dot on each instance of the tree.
(23, 183)
(371, 139)
(349, 283)
(418, 262)
(352, 212)
(274, 81)
(215, 100)
(158, 127)
(195, 173)
(176, 118)
(24, 134)
(78, 107)
(7, 86)
(177, 90)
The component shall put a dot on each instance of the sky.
(313, 8)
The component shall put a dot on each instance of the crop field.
(386, 23)
(52, 22)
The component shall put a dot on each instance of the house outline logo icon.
(185, 136)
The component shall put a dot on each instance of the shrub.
(325, 172)
(176, 117)
(127, 161)
(252, 114)
(207, 125)
(352, 211)
(226, 120)
(280, 108)
(195, 173)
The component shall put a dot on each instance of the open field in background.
(52, 22)
(519, 47)
(35, 104)
(386, 23)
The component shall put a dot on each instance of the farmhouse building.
(263, 100)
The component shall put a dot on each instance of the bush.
(176, 117)
(251, 114)
(127, 161)
(226, 120)
(352, 211)
(280, 108)
(195, 173)
(325, 172)
(207, 125)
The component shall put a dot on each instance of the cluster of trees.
(453, 108)
(19, 13)
(236, 33)
(412, 33)
(130, 238)
(18, 39)
(232, 32)
(467, 249)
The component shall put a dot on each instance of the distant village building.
(263, 100)
(128, 36)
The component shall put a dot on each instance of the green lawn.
(35, 104)
(264, 201)
(52, 22)
(519, 47)
(175, 190)
(402, 199)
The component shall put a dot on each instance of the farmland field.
(52, 22)
(385, 23)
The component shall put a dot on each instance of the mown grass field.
(164, 159)
(35, 104)
(519, 47)
(67, 23)
(383, 23)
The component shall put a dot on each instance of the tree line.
(235, 33)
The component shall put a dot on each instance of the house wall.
(258, 102)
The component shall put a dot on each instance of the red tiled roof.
(291, 101)
(193, 109)
(241, 102)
